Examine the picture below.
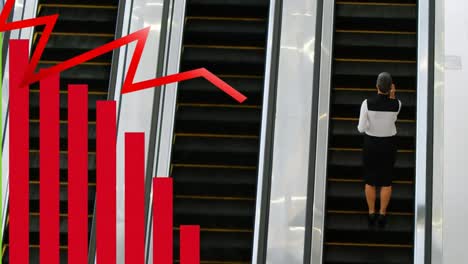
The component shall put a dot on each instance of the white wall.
(451, 133)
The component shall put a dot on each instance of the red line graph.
(129, 86)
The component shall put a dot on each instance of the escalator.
(370, 37)
(216, 140)
(82, 26)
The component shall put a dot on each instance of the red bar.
(106, 182)
(49, 136)
(190, 244)
(162, 221)
(77, 174)
(134, 198)
(19, 154)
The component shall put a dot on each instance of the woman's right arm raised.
(363, 120)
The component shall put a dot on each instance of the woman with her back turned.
(377, 121)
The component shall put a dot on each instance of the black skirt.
(379, 154)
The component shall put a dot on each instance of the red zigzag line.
(129, 86)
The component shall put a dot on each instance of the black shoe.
(371, 219)
(382, 220)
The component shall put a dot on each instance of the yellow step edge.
(375, 4)
(73, 34)
(66, 92)
(358, 180)
(61, 215)
(240, 76)
(78, 6)
(61, 183)
(209, 166)
(220, 105)
(223, 47)
(215, 135)
(368, 245)
(370, 90)
(360, 149)
(357, 119)
(217, 262)
(61, 121)
(376, 32)
(37, 246)
(61, 151)
(221, 230)
(366, 212)
(200, 197)
(251, 19)
(375, 61)
(84, 63)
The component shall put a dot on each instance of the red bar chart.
(106, 153)
(77, 174)
(49, 170)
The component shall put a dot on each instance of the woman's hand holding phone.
(392, 92)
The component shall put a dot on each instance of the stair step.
(200, 90)
(34, 136)
(222, 120)
(356, 254)
(212, 213)
(79, 19)
(34, 161)
(376, 11)
(63, 47)
(230, 8)
(399, 229)
(34, 104)
(225, 32)
(367, 68)
(214, 181)
(382, 40)
(226, 61)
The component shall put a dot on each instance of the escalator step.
(213, 150)
(228, 8)
(214, 212)
(62, 47)
(398, 230)
(361, 254)
(373, 68)
(82, 20)
(222, 120)
(198, 90)
(225, 32)
(34, 136)
(350, 196)
(376, 11)
(226, 61)
(215, 181)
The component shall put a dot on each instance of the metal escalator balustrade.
(81, 26)
(216, 140)
(370, 37)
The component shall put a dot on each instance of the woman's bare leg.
(385, 195)
(370, 197)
